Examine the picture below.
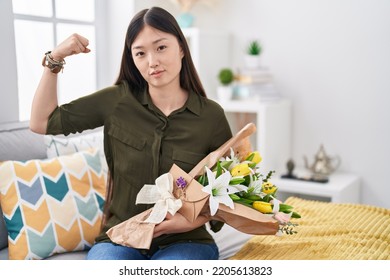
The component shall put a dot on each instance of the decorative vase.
(224, 93)
(185, 20)
(252, 61)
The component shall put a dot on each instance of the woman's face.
(158, 57)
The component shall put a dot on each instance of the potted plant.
(225, 90)
(253, 52)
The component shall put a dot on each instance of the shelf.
(341, 188)
(251, 106)
(273, 128)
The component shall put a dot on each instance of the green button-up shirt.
(141, 143)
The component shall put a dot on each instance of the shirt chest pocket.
(128, 149)
(187, 160)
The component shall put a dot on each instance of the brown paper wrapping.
(136, 233)
(246, 219)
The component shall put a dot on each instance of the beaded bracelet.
(55, 66)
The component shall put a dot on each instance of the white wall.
(119, 14)
(8, 75)
(332, 59)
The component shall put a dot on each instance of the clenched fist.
(74, 44)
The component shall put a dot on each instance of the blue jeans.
(177, 251)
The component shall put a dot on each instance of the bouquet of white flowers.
(225, 186)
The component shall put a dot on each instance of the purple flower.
(181, 182)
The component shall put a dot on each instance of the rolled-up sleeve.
(87, 112)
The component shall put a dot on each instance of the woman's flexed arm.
(45, 98)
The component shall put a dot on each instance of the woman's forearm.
(44, 102)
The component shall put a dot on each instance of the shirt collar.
(194, 102)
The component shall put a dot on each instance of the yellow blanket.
(327, 231)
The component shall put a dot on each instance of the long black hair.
(162, 20)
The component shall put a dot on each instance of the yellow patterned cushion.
(54, 205)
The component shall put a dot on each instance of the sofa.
(18, 144)
(59, 225)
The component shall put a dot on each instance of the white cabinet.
(341, 188)
(273, 135)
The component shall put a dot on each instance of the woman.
(155, 115)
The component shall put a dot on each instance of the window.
(39, 26)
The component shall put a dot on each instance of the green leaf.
(252, 165)
(245, 202)
(234, 197)
(250, 190)
(236, 181)
(250, 157)
(203, 180)
(219, 169)
(254, 197)
(226, 164)
(269, 175)
(248, 201)
(247, 180)
(267, 198)
(295, 215)
(285, 207)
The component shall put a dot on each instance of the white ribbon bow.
(161, 195)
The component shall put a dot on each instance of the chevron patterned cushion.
(59, 145)
(54, 205)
